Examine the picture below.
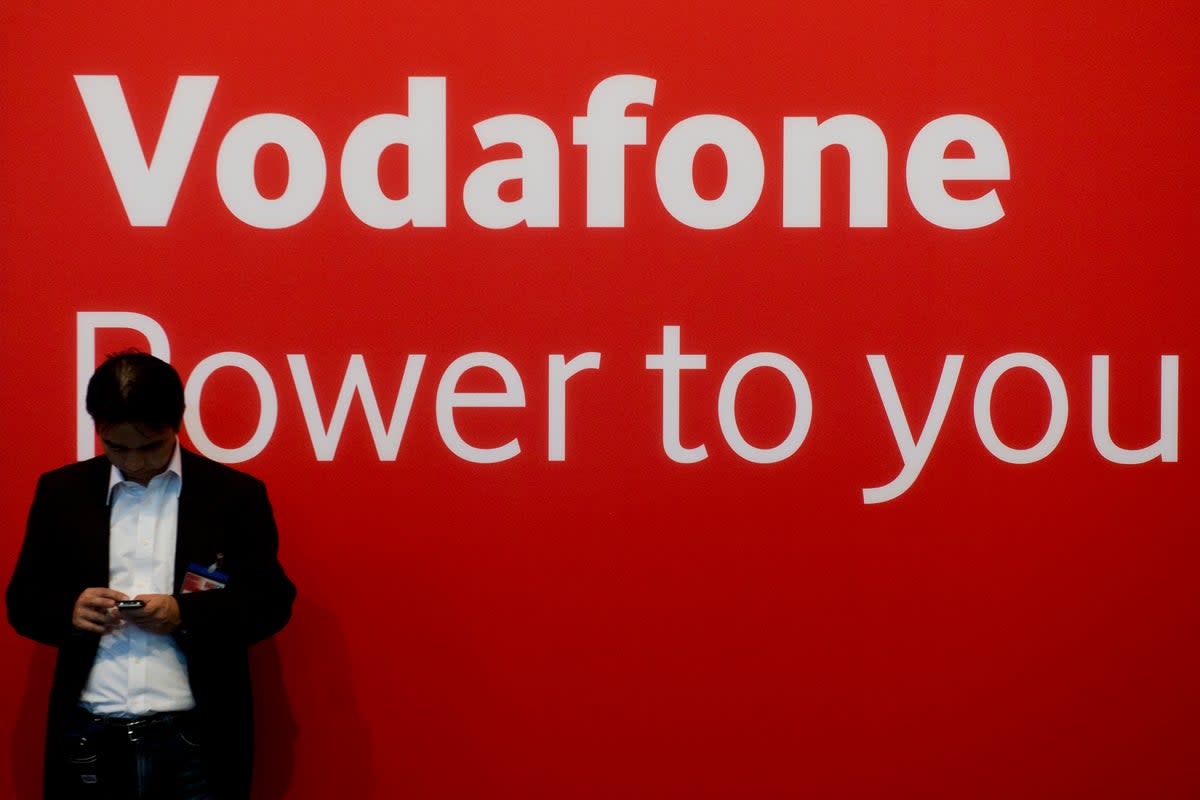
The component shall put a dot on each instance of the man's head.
(136, 402)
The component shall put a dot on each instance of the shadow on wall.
(274, 725)
(334, 735)
(29, 730)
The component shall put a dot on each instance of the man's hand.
(95, 610)
(159, 615)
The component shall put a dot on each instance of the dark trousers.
(156, 758)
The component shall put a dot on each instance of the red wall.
(618, 623)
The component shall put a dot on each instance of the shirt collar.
(173, 473)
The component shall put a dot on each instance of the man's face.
(139, 451)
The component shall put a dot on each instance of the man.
(151, 698)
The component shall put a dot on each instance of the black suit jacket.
(221, 510)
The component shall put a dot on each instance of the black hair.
(132, 386)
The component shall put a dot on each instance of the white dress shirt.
(138, 673)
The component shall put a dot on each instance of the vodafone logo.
(148, 186)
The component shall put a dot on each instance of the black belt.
(140, 727)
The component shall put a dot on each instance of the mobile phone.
(124, 605)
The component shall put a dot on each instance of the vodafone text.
(148, 186)
(671, 362)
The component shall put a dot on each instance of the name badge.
(199, 579)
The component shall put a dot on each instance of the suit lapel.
(94, 524)
(189, 528)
